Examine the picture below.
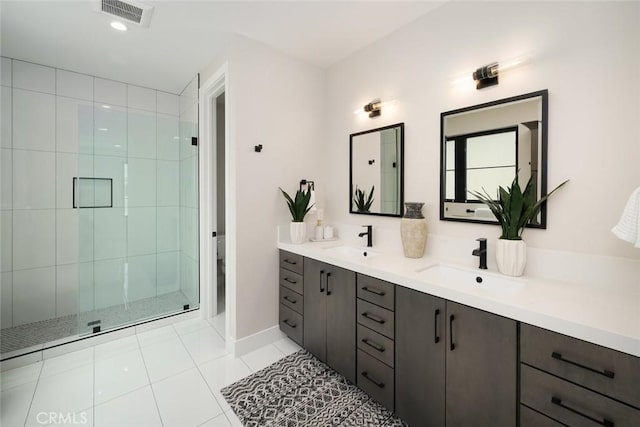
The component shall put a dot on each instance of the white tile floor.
(169, 376)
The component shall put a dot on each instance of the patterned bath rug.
(299, 390)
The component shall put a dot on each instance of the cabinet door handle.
(366, 375)
(328, 291)
(373, 291)
(452, 345)
(373, 345)
(288, 261)
(289, 323)
(603, 422)
(605, 372)
(321, 276)
(373, 317)
(291, 300)
(436, 314)
(293, 282)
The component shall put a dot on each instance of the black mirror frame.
(544, 95)
(401, 171)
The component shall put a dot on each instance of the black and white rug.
(299, 390)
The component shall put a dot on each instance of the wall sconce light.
(486, 76)
(374, 108)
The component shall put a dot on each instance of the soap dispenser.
(319, 233)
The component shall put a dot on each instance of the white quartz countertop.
(595, 314)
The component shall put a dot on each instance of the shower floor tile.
(45, 331)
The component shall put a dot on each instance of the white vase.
(511, 256)
(298, 231)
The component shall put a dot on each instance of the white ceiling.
(184, 36)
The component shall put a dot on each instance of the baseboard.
(252, 342)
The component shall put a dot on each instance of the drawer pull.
(289, 323)
(436, 338)
(452, 345)
(366, 375)
(373, 317)
(373, 345)
(328, 291)
(321, 276)
(293, 282)
(373, 291)
(291, 300)
(288, 261)
(604, 372)
(604, 422)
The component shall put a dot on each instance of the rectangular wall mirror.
(376, 177)
(484, 146)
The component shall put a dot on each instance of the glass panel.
(144, 226)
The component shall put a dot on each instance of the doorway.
(218, 208)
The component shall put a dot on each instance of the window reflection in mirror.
(376, 171)
(484, 147)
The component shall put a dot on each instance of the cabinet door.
(341, 321)
(315, 316)
(481, 368)
(420, 358)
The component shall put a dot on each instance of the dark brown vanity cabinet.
(291, 296)
(375, 338)
(576, 383)
(330, 316)
(454, 365)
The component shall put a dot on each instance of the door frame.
(216, 85)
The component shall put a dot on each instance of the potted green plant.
(362, 201)
(299, 206)
(513, 209)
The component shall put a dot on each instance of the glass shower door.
(141, 208)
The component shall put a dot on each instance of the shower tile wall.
(56, 260)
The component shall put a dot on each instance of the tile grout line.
(33, 396)
(198, 367)
(144, 362)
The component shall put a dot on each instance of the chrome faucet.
(369, 234)
(481, 252)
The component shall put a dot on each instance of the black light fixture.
(486, 76)
(374, 108)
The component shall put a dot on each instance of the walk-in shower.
(99, 205)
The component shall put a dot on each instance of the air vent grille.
(123, 10)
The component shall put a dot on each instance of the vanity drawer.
(571, 404)
(291, 280)
(378, 346)
(376, 379)
(291, 299)
(291, 323)
(601, 369)
(531, 418)
(291, 262)
(376, 291)
(374, 317)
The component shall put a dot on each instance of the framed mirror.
(485, 146)
(376, 171)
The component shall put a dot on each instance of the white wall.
(278, 102)
(586, 54)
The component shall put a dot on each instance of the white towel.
(628, 228)
(312, 201)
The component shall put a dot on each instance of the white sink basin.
(445, 275)
(352, 252)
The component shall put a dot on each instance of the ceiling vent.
(130, 11)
